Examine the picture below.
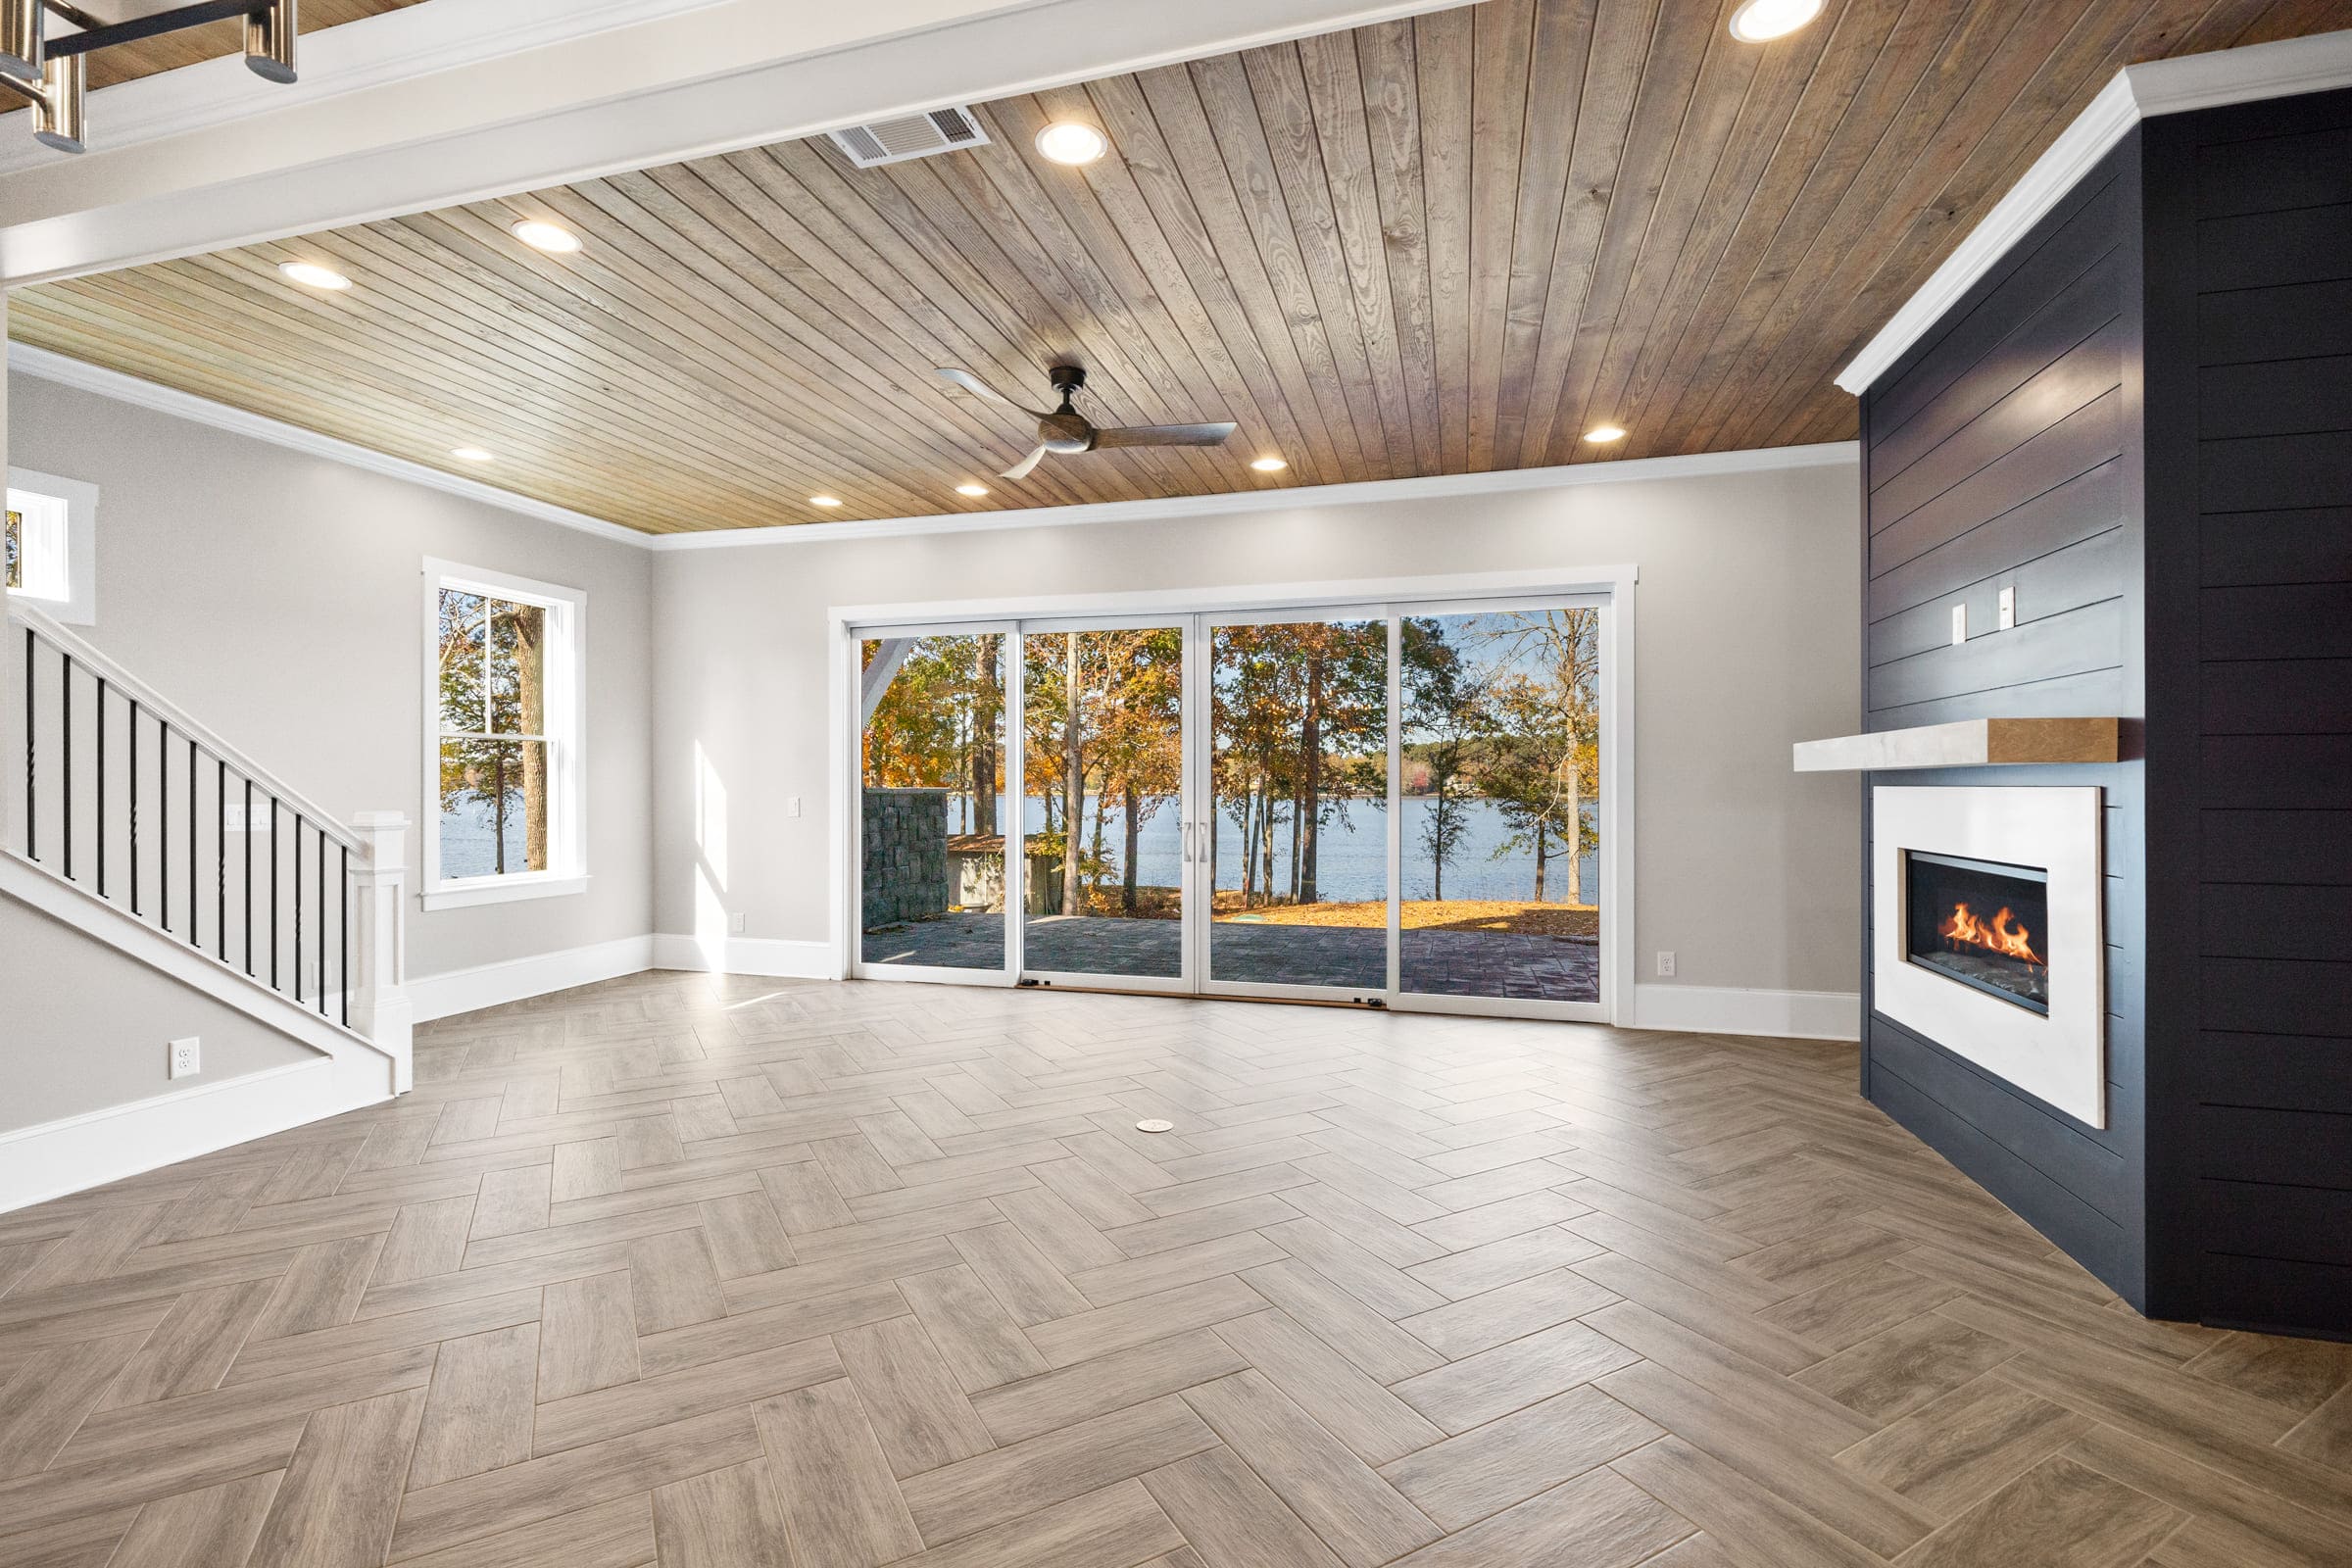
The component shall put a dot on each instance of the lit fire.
(1997, 935)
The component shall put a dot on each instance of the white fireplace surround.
(2060, 1058)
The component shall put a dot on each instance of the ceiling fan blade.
(979, 388)
(1020, 470)
(1164, 435)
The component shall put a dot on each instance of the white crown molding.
(58, 367)
(1285, 498)
(2279, 69)
(370, 52)
(49, 366)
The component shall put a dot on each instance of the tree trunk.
(1543, 845)
(1134, 828)
(1574, 834)
(1073, 780)
(1249, 847)
(530, 661)
(1102, 810)
(984, 742)
(1266, 843)
(1310, 813)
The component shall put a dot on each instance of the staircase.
(127, 819)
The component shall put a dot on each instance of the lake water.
(1352, 854)
(470, 842)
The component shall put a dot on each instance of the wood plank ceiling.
(129, 61)
(1433, 246)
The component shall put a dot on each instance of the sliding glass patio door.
(1401, 804)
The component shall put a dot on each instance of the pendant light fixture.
(52, 74)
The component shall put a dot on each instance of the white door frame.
(1011, 615)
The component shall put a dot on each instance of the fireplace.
(1988, 932)
(1982, 924)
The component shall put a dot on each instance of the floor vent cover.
(891, 141)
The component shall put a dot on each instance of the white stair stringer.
(75, 1153)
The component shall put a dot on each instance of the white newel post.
(379, 999)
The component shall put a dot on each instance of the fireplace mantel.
(1969, 743)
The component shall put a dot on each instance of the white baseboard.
(760, 956)
(492, 985)
(97, 1147)
(1730, 1010)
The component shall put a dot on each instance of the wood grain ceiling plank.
(1502, 37)
(1049, 309)
(1621, 42)
(468, 254)
(1327, 346)
(1349, 281)
(1112, 325)
(834, 352)
(1230, 369)
(1766, 116)
(1443, 82)
(1558, 57)
(1978, 152)
(1651, 190)
(1164, 134)
(1885, 144)
(1854, 43)
(1388, 100)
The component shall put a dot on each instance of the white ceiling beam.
(685, 78)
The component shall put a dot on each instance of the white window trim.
(68, 510)
(566, 694)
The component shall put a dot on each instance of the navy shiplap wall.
(2003, 450)
(2249, 246)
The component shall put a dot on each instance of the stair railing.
(131, 799)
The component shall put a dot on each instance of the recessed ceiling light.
(1268, 465)
(1072, 141)
(473, 455)
(974, 490)
(824, 501)
(309, 274)
(1761, 21)
(544, 237)
(1605, 434)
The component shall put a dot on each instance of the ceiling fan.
(1066, 432)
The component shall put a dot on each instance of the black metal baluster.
(32, 751)
(65, 787)
(275, 896)
(134, 805)
(249, 876)
(322, 920)
(100, 812)
(193, 941)
(162, 822)
(220, 859)
(297, 906)
(343, 928)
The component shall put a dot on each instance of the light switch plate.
(791, 806)
(2008, 608)
(1959, 625)
(187, 1057)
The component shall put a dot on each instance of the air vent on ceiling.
(891, 141)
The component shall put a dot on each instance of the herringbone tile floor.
(738, 1272)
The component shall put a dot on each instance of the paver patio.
(1454, 964)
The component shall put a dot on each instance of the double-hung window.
(504, 771)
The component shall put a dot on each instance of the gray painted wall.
(86, 1029)
(277, 597)
(1748, 625)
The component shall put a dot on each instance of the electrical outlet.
(2008, 608)
(791, 806)
(1665, 963)
(187, 1057)
(1959, 625)
(735, 924)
